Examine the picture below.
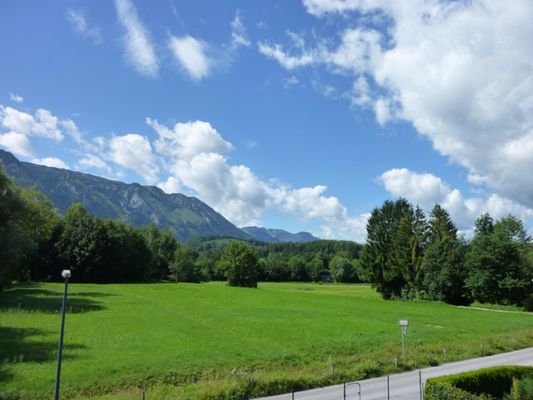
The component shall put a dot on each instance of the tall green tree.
(80, 244)
(380, 260)
(276, 268)
(342, 269)
(317, 267)
(443, 264)
(298, 269)
(163, 246)
(12, 209)
(240, 264)
(498, 264)
(184, 268)
(409, 243)
(27, 219)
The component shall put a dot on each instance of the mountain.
(138, 205)
(277, 235)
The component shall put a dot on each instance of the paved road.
(406, 386)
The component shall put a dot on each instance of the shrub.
(439, 391)
(495, 382)
(522, 389)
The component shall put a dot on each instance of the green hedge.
(476, 385)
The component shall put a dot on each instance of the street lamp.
(66, 275)
(404, 323)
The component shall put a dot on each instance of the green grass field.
(196, 341)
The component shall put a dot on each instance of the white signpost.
(403, 323)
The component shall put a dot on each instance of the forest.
(407, 255)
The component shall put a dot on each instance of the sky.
(301, 115)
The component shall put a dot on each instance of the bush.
(522, 389)
(495, 382)
(439, 391)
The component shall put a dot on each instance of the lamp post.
(66, 275)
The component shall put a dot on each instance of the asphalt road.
(407, 385)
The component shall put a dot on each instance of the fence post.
(388, 392)
(420, 384)
(344, 391)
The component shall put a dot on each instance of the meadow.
(193, 341)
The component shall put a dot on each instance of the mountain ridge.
(133, 203)
(269, 235)
(139, 205)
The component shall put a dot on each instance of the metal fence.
(404, 386)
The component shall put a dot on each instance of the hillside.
(138, 205)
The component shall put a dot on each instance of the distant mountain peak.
(277, 235)
(133, 203)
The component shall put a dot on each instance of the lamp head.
(66, 274)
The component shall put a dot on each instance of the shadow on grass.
(33, 298)
(18, 346)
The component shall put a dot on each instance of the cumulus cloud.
(138, 47)
(171, 185)
(194, 155)
(16, 143)
(189, 139)
(44, 124)
(77, 20)
(16, 98)
(427, 190)
(459, 72)
(134, 152)
(50, 162)
(191, 55)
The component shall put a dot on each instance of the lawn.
(195, 341)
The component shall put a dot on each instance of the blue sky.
(300, 115)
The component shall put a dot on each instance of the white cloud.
(44, 124)
(427, 190)
(133, 151)
(72, 130)
(191, 54)
(459, 72)
(193, 154)
(313, 204)
(238, 32)
(287, 61)
(50, 162)
(171, 185)
(79, 23)
(139, 49)
(290, 82)
(189, 139)
(321, 7)
(16, 143)
(92, 161)
(16, 98)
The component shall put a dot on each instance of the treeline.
(407, 255)
(317, 261)
(37, 243)
(410, 256)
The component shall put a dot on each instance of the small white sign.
(403, 322)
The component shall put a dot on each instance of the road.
(406, 386)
